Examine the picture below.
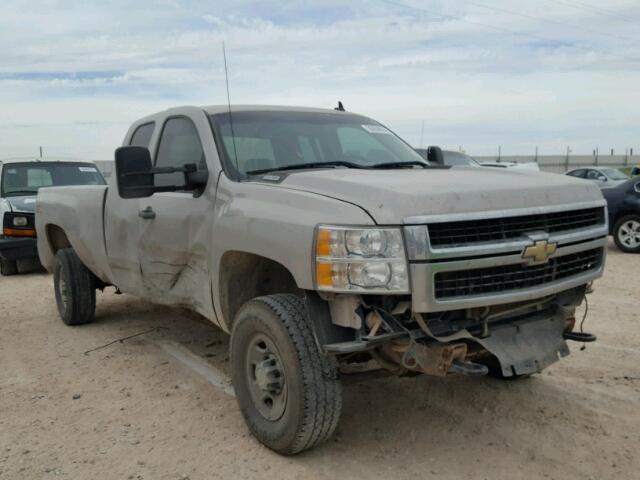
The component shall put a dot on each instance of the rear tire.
(8, 267)
(74, 287)
(287, 389)
(626, 233)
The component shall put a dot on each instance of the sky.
(460, 74)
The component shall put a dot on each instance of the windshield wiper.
(22, 192)
(401, 164)
(300, 166)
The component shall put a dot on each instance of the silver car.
(603, 176)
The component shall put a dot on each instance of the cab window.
(179, 144)
(142, 136)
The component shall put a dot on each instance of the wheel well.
(57, 238)
(618, 216)
(244, 276)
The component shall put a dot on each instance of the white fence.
(548, 163)
(562, 163)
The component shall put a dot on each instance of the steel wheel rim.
(62, 288)
(629, 234)
(266, 378)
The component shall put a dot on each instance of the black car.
(623, 203)
(19, 185)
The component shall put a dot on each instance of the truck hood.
(25, 204)
(391, 196)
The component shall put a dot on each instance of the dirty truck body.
(321, 241)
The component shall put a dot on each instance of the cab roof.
(6, 161)
(213, 109)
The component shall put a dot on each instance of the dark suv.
(19, 185)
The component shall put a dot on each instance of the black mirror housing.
(134, 172)
(434, 155)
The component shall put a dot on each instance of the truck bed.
(77, 211)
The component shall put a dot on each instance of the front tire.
(287, 389)
(8, 267)
(74, 287)
(626, 233)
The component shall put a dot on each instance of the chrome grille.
(461, 233)
(507, 278)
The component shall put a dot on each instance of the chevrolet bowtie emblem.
(540, 251)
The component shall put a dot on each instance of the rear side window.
(578, 173)
(179, 144)
(142, 136)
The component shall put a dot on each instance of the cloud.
(479, 74)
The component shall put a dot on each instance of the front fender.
(276, 223)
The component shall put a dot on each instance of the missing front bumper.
(528, 347)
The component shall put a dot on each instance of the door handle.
(147, 213)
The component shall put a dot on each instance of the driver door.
(176, 227)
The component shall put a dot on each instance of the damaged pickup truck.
(327, 247)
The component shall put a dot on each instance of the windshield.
(614, 174)
(27, 178)
(269, 140)
(458, 159)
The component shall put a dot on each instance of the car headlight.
(20, 221)
(367, 260)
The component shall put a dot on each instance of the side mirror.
(602, 178)
(135, 174)
(434, 155)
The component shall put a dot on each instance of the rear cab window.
(142, 135)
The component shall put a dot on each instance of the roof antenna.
(233, 137)
(340, 107)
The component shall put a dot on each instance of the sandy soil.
(134, 411)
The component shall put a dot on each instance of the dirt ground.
(153, 407)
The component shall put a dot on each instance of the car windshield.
(614, 174)
(458, 159)
(28, 178)
(265, 140)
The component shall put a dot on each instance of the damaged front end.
(506, 340)
(484, 292)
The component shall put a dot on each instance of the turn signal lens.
(323, 245)
(18, 232)
(324, 274)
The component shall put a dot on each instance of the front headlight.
(367, 260)
(20, 221)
